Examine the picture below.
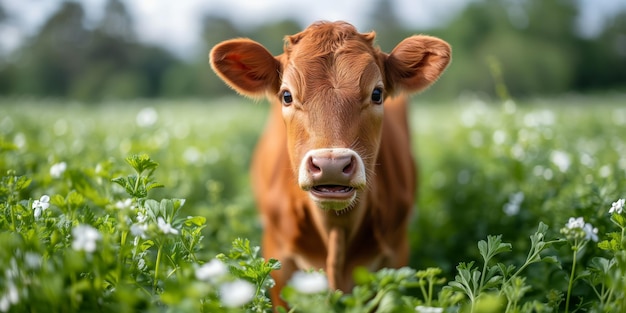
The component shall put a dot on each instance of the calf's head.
(331, 83)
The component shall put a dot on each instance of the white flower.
(11, 271)
(141, 217)
(192, 155)
(617, 206)
(32, 260)
(85, 238)
(237, 293)
(126, 204)
(211, 270)
(139, 230)
(307, 283)
(4, 304)
(605, 171)
(147, 117)
(561, 160)
(58, 169)
(499, 136)
(12, 293)
(591, 233)
(10, 297)
(41, 205)
(99, 168)
(512, 207)
(575, 223)
(166, 228)
(428, 309)
(576, 228)
(141, 264)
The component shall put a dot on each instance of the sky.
(176, 24)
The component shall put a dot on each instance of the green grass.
(485, 169)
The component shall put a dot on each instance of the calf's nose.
(336, 169)
(332, 166)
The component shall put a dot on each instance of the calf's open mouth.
(335, 192)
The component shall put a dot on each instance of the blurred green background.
(534, 47)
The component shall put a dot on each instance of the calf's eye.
(287, 97)
(377, 96)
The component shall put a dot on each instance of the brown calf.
(333, 174)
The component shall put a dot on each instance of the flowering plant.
(70, 254)
(73, 241)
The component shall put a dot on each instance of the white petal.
(236, 293)
(308, 283)
(211, 270)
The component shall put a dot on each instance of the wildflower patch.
(522, 210)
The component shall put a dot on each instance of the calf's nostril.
(313, 167)
(349, 168)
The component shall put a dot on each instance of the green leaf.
(153, 185)
(493, 281)
(602, 265)
(274, 264)
(75, 199)
(619, 220)
(391, 302)
(166, 209)
(22, 183)
(58, 201)
(467, 280)
(506, 270)
(177, 204)
(120, 181)
(195, 220)
(12, 184)
(141, 163)
(7, 145)
(608, 245)
(492, 247)
(492, 278)
(490, 303)
(611, 244)
(152, 208)
(483, 248)
(551, 259)
(542, 228)
(146, 244)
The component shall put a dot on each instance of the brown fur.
(330, 70)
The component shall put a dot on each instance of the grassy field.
(485, 168)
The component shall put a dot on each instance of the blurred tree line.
(501, 47)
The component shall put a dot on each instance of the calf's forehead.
(330, 56)
(345, 73)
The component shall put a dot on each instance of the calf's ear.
(416, 63)
(246, 66)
